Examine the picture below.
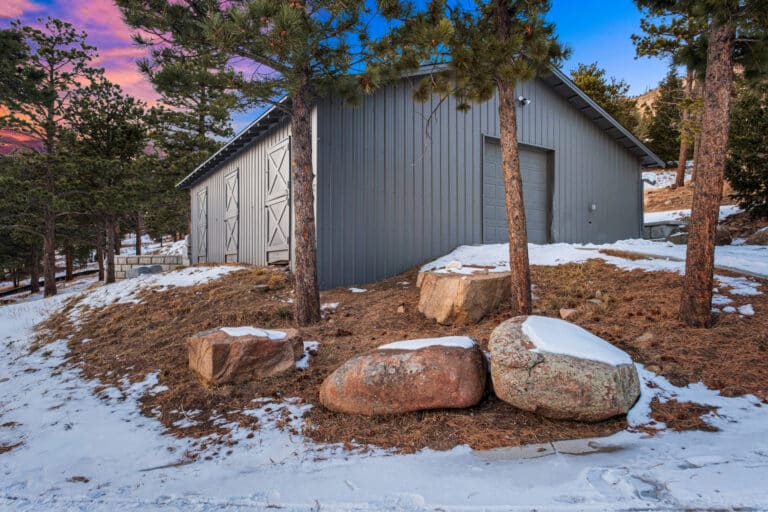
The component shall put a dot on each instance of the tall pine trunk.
(696, 300)
(302, 177)
(34, 269)
(138, 234)
(69, 264)
(100, 252)
(520, 273)
(513, 200)
(685, 117)
(111, 246)
(49, 251)
(118, 241)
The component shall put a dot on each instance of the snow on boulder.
(230, 355)
(408, 376)
(457, 299)
(559, 370)
(759, 237)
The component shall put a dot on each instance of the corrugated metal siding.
(251, 162)
(401, 182)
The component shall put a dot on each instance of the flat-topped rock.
(460, 299)
(231, 355)
(561, 371)
(409, 376)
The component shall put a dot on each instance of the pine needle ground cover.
(121, 344)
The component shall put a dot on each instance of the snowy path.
(67, 432)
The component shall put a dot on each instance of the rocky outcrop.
(242, 354)
(458, 299)
(680, 236)
(556, 369)
(408, 376)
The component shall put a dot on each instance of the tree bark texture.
(118, 239)
(49, 251)
(34, 269)
(69, 264)
(513, 182)
(696, 300)
(513, 200)
(138, 234)
(111, 246)
(100, 252)
(302, 176)
(685, 117)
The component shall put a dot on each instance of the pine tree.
(488, 49)
(110, 137)
(58, 60)
(747, 168)
(678, 37)
(663, 134)
(299, 50)
(611, 94)
(735, 33)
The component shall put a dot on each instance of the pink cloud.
(17, 8)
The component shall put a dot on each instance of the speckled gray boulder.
(557, 386)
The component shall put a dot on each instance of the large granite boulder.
(231, 355)
(409, 376)
(559, 370)
(461, 299)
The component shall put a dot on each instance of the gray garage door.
(533, 166)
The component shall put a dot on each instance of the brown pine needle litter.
(637, 311)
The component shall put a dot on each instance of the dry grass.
(637, 312)
(681, 416)
(669, 198)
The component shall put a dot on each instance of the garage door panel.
(533, 168)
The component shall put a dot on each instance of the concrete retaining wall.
(124, 263)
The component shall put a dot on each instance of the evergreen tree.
(488, 49)
(678, 37)
(663, 134)
(609, 93)
(58, 61)
(747, 168)
(110, 136)
(735, 33)
(299, 50)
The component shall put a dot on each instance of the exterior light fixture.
(523, 101)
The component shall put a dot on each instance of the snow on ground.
(127, 290)
(464, 342)
(675, 215)
(663, 256)
(253, 331)
(663, 179)
(80, 452)
(175, 249)
(555, 336)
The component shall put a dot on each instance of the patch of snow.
(556, 336)
(676, 215)
(309, 347)
(663, 179)
(253, 331)
(329, 306)
(746, 310)
(178, 248)
(357, 290)
(729, 309)
(447, 341)
(740, 285)
(127, 290)
(721, 300)
(403, 283)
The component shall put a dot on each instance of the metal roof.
(560, 83)
(253, 131)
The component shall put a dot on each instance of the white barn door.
(231, 216)
(202, 226)
(278, 203)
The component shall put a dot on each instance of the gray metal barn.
(399, 182)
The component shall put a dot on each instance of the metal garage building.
(399, 182)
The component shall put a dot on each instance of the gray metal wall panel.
(251, 162)
(400, 182)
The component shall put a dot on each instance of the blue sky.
(599, 31)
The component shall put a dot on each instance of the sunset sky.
(595, 30)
